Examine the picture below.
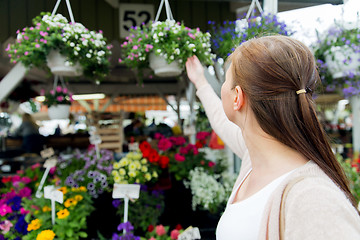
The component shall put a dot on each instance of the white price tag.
(189, 130)
(46, 153)
(134, 146)
(50, 192)
(95, 139)
(134, 15)
(126, 190)
(50, 163)
(190, 234)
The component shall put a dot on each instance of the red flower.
(178, 227)
(202, 135)
(179, 157)
(144, 146)
(174, 234)
(153, 156)
(150, 228)
(146, 153)
(160, 230)
(6, 179)
(164, 161)
(199, 144)
(211, 164)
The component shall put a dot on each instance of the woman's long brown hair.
(270, 70)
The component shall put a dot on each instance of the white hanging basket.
(335, 61)
(162, 68)
(60, 111)
(56, 63)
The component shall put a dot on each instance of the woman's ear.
(239, 98)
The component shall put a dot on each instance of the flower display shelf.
(60, 111)
(337, 59)
(162, 68)
(58, 65)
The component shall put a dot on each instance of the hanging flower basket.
(60, 111)
(341, 60)
(162, 68)
(60, 66)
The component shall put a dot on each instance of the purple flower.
(116, 203)
(125, 226)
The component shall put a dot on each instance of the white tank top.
(241, 220)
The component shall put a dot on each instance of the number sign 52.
(134, 15)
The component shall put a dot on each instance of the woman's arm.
(224, 128)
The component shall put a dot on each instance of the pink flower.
(164, 144)
(26, 53)
(179, 157)
(25, 192)
(135, 47)
(37, 45)
(45, 41)
(191, 35)
(23, 211)
(160, 230)
(65, 90)
(211, 164)
(5, 226)
(202, 135)
(16, 179)
(26, 180)
(120, 61)
(184, 150)
(5, 209)
(152, 238)
(8, 47)
(60, 98)
(58, 89)
(37, 165)
(52, 92)
(158, 136)
(31, 28)
(174, 234)
(52, 170)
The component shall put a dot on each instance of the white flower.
(155, 36)
(158, 50)
(67, 63)
(161, 34)
(72, 44)
(177, 51)
(76, 53)
(191, 45)
(88, 55)
(172, 57)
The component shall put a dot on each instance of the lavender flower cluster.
(86, 169)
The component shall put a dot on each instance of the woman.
(273, 128)
(29, 131)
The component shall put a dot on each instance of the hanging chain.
(252, 7)
(169, 15)
(68, 7)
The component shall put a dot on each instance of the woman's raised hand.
(195, 71)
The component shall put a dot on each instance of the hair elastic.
(300, 91)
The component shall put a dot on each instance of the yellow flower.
(63, 190)
(148, 176)
(132, 167)
(70, 202)
(138, 156)
(144, 169)
(123, 182)
(143, 161)
(78, 198)
(117, 179)
(114, 173)
(154, 174)
(82, 189)
(116, 165)
(137, 180)
(137, 164)
(124, 162)
(46, 235)
(63, 213)
(132, 174)
(46, 209)
(34, 225)
(122, 171)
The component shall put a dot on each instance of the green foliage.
(144, 211)
(352, 173)
(70, 221)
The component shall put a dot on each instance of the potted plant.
(58, 101)
(337, 53)
(170, 41)
(227, 36)
(42, 45)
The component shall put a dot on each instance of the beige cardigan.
(315, 207)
